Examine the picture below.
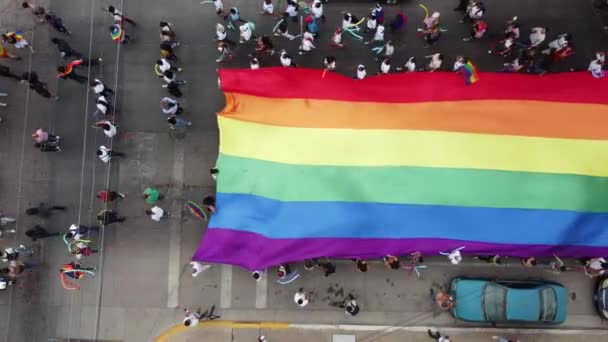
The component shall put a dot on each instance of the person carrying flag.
(118, 34)
(16, 38)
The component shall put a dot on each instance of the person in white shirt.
(336, 39)
(330, 63)
(105, 154)
(301, 298)
(559, 43)
(254, 63)
(282, 30)
(596, 68)
(156, 213)
(348, 21)
(169, 77)
(108, 128)
(170, 106)
(102, 106)
(317, 10)
(371, 23)
(459, 63)
(475, 11)
(435, 62)
(538, 36)
(595, 267)
(292, 10)
(257, 275)
(385, 66)
(437, 336)
(389, 49)
(218, 4)
(286, 59)
(267, 7)
(246, 33)
(361, 72)
(431, 21)
(455, 257)
(192, 318)
(197, 268)
(378, 35)
(100, 89)
(410, 65)
(307, 43)
(163, 65)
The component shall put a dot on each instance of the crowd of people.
(534, 51)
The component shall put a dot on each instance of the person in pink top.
(40, 136)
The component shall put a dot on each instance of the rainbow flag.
(470, 73)
(312, 167)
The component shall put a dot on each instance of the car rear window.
(548, 304)
(494, 302)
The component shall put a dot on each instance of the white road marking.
(175, 231)
(226, 287)
(261, 288)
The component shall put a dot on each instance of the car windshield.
(494, 297)
(548, 302)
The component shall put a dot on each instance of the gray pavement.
(328, 335)
(137, 292)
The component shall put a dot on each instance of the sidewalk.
(319, 333)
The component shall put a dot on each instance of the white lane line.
(226, 287)
(175, 230)
(261, 291)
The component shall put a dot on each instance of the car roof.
(523, 304)
(468, 299)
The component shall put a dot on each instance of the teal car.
(508, 301)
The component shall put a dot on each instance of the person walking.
(38, 232)
(44, 211)
(222, 35)
(41, 136)
(156, 213)
(360, 73)
(437, 336)
(178, 123)
(108, 128)
(16, 39)
(282, 30)
(170, 77)
(105, 154)
(109, 196)
(68, 71)
(163, 65)
(77, 231)
(38, 11)
(301, 298)
(38, 86)
(106, 217)
(57, 23)
(47, 147)
(151, 195)
(6, 72)
(198, 268)
(118, 34)
(192, 318)
(100, 89)
(119, 16)
(170, 106)
(350, 305)
(167, 34)
(65, 50)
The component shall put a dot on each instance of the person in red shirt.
(109, 196)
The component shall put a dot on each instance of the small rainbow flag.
(470, 73)
(516, 166)
(117, 33)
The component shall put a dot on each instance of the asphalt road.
(143, 279)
